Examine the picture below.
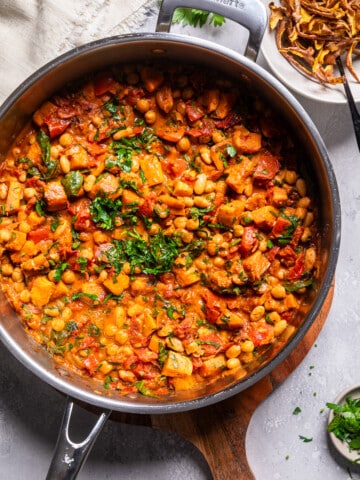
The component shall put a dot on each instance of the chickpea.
(274, 317)
(186, 236)
(154, 229)
(219, 262)
(310, 258)
(143, 105)
(192, 224)
(58, 324)
(183, 144)
(304, 202)
(218, 136)
(29, 193)
(180, 222)
(247, 346)
(212, 248)
(278, 292)
(233, 352)
(5, 236)
(238, 231)
(110, 330)
(25, 296)
(123, 133)
(280, 327)
(309, 219)
(66, 314)
(306, 234)
(89, 183)
(121, 337)
(233, 363)
(65, 139)
(210, 186)
(200, 184)
(113, 349)
(290, 177)
(150, 117)
(103, 276)
(106, 367)
(181, 107)
(52, 312)
(3, 191)
(119, 316)
(257, 313)
(205, 155)
(68, 277)
(22, 177)
(301, 187)
(202, 202)
(17, 275)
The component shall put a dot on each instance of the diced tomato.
(134, 94)
(287, 255)
(42, 233)
(296, 236)
(175, 166)
(56, 126)
(267, 166)
(146, 355)
(280, 226)
(147, 207)
(81, 211)
(298, 269)
(261, 335)
(229, 121)
(271, 254)
(248, 240)
(185, 329)
(194, 111)
(214, 305)
(204, 127)
(104, 83)
(91, 363)
(145, 370)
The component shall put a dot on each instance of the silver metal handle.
(69, 456)
(251, 14)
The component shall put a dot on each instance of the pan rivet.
(158, 51)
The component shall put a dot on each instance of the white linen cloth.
(33, 32)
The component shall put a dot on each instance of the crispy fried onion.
(311, 34)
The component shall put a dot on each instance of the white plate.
(296, 81)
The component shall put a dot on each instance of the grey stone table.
(31, 411)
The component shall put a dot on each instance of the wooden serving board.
(226, 423)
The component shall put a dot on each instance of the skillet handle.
(69, 456)
(251, 14)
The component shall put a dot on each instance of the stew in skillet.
(156, 232)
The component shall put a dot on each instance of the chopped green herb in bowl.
(344, 423)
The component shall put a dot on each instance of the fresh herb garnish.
(103, 211)
(143, 390)
(296, 411)
(59, 270)
(195, 17)
(77, 295)
(155, 256)
(52, 166)
(346, 422)
(305, 439)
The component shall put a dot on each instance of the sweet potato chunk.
(41, 291)
(255, 266)
(230, 213)
(14, 196)
(117, 284)
(264, 217)
(151, 167)
(245, 141)
(177, 365)
(238, 173)
(55, 196)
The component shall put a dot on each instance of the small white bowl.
(340, 446)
